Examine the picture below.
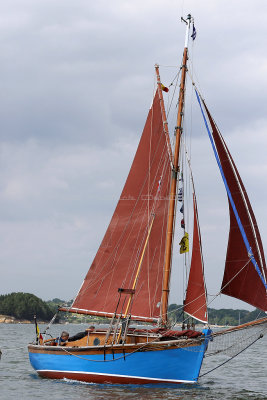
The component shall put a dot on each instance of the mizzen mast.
(172, 202)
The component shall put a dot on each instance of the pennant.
(184, 244)
(164, 88)
(182, 209)
(182, 224)
(194, 34)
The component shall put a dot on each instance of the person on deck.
(63, 339)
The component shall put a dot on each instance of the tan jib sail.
(143, 203)
(241, 278)
(195, 303)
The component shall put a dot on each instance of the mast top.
(188, 21)
(189, 17)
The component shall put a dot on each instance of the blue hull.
(175, 365)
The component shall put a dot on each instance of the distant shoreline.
(7, 319)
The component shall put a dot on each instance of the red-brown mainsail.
(143, 202)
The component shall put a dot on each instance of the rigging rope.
(128, 354)
(214, 296)
(241, 351)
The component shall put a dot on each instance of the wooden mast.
(163, 112)
(170, 227)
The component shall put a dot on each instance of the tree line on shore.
(23, 306)
(222, 317)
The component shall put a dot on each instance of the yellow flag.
(184, 244)
(164, 88)
(39, 337)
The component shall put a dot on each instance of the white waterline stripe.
(120, 376)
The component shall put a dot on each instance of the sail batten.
(144, 197)
(245, 267)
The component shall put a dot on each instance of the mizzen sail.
(143, 203)
(195, 303)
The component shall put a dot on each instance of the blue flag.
(194, 34)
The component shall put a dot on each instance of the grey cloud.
(76, 84)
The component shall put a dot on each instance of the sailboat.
(129, 279)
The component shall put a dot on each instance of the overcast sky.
(77, 79)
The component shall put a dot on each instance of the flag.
(194, 33)
(39, 337)
(184, 244)
(182, 224)
(182, 209)
(164, 88)
(38, 332)
(180, 194)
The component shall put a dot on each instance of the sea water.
(244, 377)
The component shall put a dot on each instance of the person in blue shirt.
(63, 339)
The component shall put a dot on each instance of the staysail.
(143, 204)
(244, 277)
(195, 303)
